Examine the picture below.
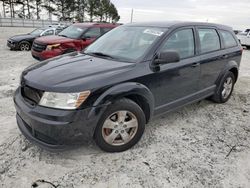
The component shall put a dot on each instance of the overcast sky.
(235, 13)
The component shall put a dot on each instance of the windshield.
(126, 43)
(37, 32)
(72, 31)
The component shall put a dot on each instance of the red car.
(74, 38)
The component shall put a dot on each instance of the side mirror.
(166, 57)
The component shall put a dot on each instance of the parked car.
(244, 38)
(58, 25)
(25, 41)
(74, 38)
(115, 86)
(237, 31)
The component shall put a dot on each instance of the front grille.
(39, 47)
(31, 95)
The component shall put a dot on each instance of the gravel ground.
(201, 145)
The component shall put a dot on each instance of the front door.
(175, 83)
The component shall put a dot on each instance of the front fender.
(123, 90)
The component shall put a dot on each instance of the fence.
(17, 22)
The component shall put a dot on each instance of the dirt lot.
(187, 148)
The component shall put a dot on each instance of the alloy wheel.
(227, 87)
(119, 128)
(25, 47)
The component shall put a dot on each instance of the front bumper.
(12, 45)
(55, 129)
(45, 54)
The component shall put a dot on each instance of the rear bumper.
(46, 54)
(55, 129)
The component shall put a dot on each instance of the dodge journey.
(109, 91)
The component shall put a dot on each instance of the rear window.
(209, 40)
(228, 39)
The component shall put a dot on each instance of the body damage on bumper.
(55, 128)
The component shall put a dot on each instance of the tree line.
(65, 10)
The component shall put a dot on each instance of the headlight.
(50, 47)
(63, 100)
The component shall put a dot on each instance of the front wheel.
(24, 46)
(120, 127)
(225, 89)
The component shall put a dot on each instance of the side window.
(209, 40)
(228, 39)
(105, 30)
(48, 32)
(181, 41)
(93, 32)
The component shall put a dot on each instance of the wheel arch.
(136, 92)
(235, 71)
(233, 67)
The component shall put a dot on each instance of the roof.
(178, 24)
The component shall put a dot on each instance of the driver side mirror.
(166, 57)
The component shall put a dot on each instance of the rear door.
(231, 47)
(211, 56)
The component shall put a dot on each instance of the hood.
(53, 39)
(21, 37)
(75, 72)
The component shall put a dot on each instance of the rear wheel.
(24, 46)
(225, 89)
(120, 127)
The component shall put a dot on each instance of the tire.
(225, 88)
(248, 47)
(112, 136)
(24, 46)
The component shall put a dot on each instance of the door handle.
(195, 64)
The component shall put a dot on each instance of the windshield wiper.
(100, 54)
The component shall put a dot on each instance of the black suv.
(111, 90)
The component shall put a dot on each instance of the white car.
(244, 38)
(58, 25)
